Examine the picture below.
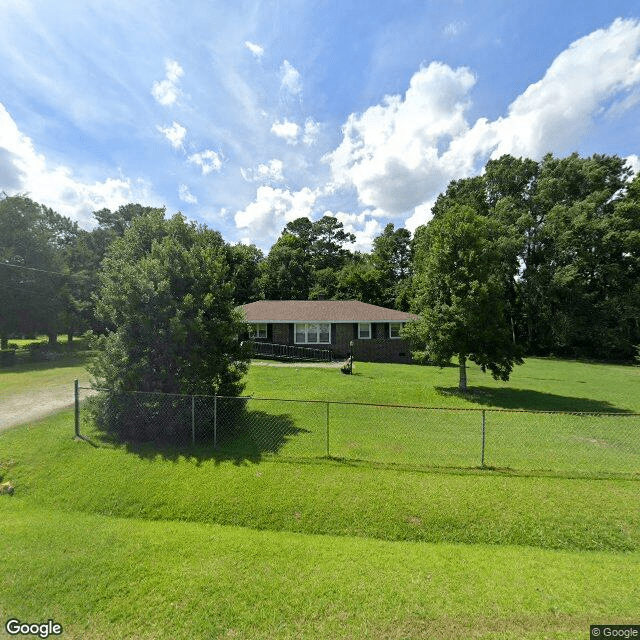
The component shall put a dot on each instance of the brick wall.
(378, 349)
(381, 350)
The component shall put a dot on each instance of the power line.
(19, 266)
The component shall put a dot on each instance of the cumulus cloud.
(185, 195)
(175, 134)
(286, 130)
(400, 154)
(207, 160)
(166, 91)
(265, 172)
(24, 170)
(391, 152)
(256, 49)
(273, 208)
(363, 225)
(290, 79)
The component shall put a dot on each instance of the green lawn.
(128, 578)
(134, 541)
(69, 362)
(450, 435)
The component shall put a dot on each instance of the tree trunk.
(4, 342)
(53, 337)
(463, 373)
(70, 337)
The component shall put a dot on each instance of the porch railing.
(287, 352)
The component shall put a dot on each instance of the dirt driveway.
(36, 403)
(40, 401)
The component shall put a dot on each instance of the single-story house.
(339, 325)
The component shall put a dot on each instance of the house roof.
(276, 311)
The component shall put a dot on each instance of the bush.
(166, 295)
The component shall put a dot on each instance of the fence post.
(483, 435)
(193, 420)
(76, 394)
(327, 425)
(215, 421)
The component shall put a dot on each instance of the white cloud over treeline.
(400, 154)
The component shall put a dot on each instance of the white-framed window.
(394, 329)
(259, 330)
(312, 333)
(364, 330)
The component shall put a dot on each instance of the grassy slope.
(112, 578)
(50, 469)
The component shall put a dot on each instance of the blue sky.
(247, 115)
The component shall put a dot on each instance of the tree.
(33, 284)
(466, 258)
(305, 260)
(245, 261)
(286, 272)
(166, 293)
(327, 240)
(391, 257)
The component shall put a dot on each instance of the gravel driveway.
(18, 408)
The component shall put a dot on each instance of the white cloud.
(166, 91)
(185, 195)
(256, 49)
(273, 208)
(290, 78)
(401, 153)
(266, 172)
(24, 170)
(175, 134)
(634, 162)
(286, 130)
(207, 160)
(311, 132)
(390, 153)
(421, 215)
(363, 225)
(557, 111)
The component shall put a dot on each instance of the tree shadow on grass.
(530, 400)
(251, 437)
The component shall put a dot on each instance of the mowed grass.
(70, 363)
(127, 578)
(135, 541)
(540, 384)
(452, 435)
(52, 470)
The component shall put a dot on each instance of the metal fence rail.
(287, 352)
(536, 441)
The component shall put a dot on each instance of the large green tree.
(464, 262)
(34, 283)
(166, 294)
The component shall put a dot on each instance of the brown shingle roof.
(274, 311)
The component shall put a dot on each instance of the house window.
(394, 329)
(313, 333)
(259, 330)
(364, 330)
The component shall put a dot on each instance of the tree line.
(531, 257)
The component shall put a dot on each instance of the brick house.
(332, 324)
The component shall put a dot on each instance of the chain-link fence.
(585, 443)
